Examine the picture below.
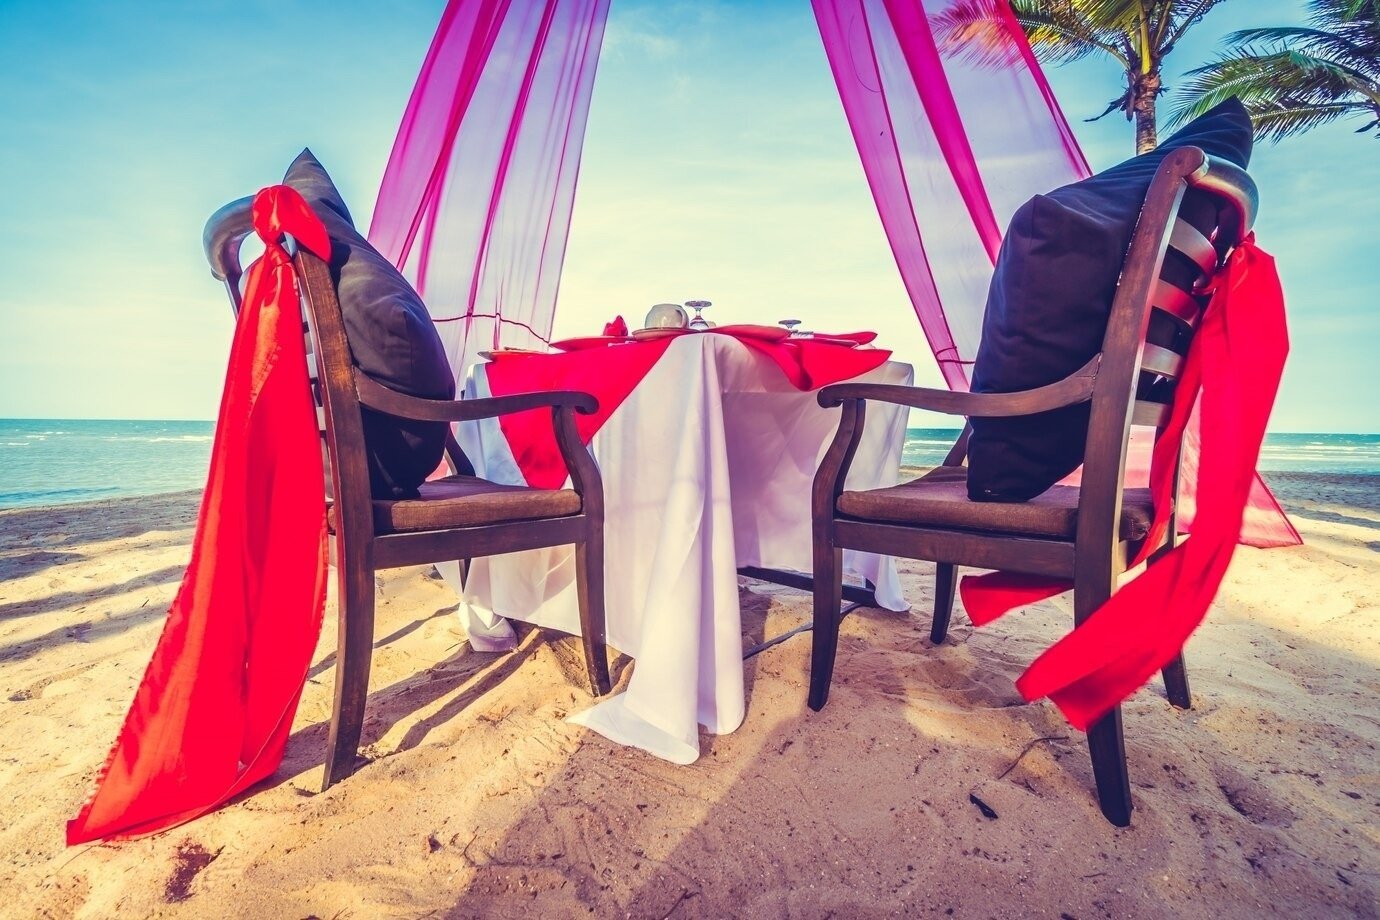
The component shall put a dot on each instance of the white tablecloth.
(707, 466)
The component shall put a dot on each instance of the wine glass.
(698, 322)
(791, 324)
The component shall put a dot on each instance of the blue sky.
(718, 164)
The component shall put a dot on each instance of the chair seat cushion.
(940, 499)
(465, 501)
(1051, 295)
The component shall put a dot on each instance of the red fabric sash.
(216, 704)
(1235, 365)
(611, 374)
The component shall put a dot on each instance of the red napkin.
(1236, 361)
(617, 327)
(809, 364)
(610, 374)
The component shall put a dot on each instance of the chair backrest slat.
(1150, 414)
(1151, 326)
(1175, 302)
(1186, 239)
(1163, 362)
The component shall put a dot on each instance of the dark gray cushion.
(391, 338)
(1050, 297)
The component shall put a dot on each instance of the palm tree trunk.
(1144, 90)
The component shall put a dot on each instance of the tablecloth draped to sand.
(707, 466)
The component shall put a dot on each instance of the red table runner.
(611, 374)
(1236, 361)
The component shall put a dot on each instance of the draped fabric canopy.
(476, 201)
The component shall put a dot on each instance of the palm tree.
(1137, 34)
(1294, 79)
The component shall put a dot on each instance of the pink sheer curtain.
(476, 200)
(950, 150)
(952, 144)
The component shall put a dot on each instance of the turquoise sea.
(51, 461)
(55, 461)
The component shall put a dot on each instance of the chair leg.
(1175, 675)
(828, 595)
(1176, 683)
(589, 585)
(1105, 741)
(1108, 749)
(352, 660)
(945, 583)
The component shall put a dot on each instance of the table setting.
(707, 438)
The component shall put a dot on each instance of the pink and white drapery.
(476, 201)
(950, 150)
(952, 142)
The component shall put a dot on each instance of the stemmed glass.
(698, 322)
(791, 324)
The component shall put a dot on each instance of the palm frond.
(1185, 16)
(1278, 89)
(1277, 123)
(1107, 15)
(975, 31)
(1317, 42)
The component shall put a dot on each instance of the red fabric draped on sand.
(611, 374)
(1233, 372)
(952, 143)
(216, 704)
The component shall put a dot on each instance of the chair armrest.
(376, 396)
(1075, 388)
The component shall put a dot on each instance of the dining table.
(707, 466)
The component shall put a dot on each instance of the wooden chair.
(455, 518)
(1084, 533)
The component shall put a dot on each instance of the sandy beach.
(480, 801)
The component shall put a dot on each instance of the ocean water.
(51, 462)
(1295, 453)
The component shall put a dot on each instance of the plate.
(753, 331)
(497, 353)
(580, 343)
(643, 335)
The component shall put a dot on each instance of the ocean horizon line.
(211, 421)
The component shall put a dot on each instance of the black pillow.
(391, 338)
(1050, 297)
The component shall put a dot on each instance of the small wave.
(23, 497)
(181, 439)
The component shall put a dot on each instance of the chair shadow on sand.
(34, 540)
(926, 786)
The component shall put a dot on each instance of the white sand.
(481, 801)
